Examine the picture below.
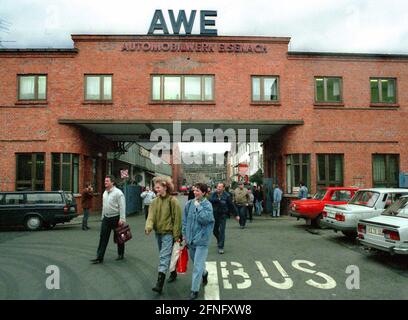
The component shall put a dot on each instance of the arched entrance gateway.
(324, 118)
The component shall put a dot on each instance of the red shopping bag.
(182, 261)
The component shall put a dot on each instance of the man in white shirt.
(113, 215)
(147, 197)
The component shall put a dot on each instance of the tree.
(257, 177)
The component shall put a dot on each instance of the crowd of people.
(205, 213)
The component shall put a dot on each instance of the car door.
(13, 209)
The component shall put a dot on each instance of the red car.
(311, 209)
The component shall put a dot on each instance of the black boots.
(160, 282)
(173, 276)
(193, 295)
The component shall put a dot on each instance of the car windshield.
(398, 208)
(365, 198)
(319, 195)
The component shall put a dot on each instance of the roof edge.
(305, 54)
(39, 50)
(134, 37)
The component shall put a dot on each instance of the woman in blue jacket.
(198, 224)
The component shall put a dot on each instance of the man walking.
(222, 207)
(241, 202)
(303, 191)
(86, 201)
(113, 215)
(277, 198)
(147, 196)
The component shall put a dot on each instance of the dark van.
(36, 209)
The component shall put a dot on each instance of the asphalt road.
(279, 258)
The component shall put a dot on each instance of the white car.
(366, 203)
(389, 231)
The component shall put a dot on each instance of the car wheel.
(316, 221)
(33, 223)
(350, 234)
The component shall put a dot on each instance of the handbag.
(122, 234)
(182, 261)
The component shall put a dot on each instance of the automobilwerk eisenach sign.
(193, 47)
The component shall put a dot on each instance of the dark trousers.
(85, 218)
(242, 211)
(250, 212)
(146, 211)
(219, 229)
(108, 224)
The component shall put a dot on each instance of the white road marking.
(330, 282)
(212, 289)
(240, 272)
(286, 284)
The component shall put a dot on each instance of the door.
(13, 210)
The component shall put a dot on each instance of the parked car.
(183, 190)
(389, 231)
(311, 209)
(366, 203)
(36, 209)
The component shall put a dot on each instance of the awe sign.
(159, 23)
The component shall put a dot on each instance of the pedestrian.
(86, 202)
(198, 224)
(258, 196)
(165, 219)
(113, 216)
(277, 198)
(250, 204)
(222, 208)
(303, 191)
(147, 196)
(241, 199)
(191, 193)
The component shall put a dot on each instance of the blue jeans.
(258, 208)
(242, 211)
(198, 255)
(165, 243)
(219, 229)
(276, 209)
(85, 218)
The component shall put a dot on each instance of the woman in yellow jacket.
(165, 219)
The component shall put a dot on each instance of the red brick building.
(323, 118)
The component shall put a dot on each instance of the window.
(341, 195)
(328, 89)
(14, 199)
(65, 172)
(32, 87)
(44, 198)
(297, 170)
(94, 173)
(330, 170)
(385, 170)
(182, 88)
(30, 171)
(383, 90)
(98, 87)
(265, 89)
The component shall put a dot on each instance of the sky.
(372, 26)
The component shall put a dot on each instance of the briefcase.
(122, 234)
